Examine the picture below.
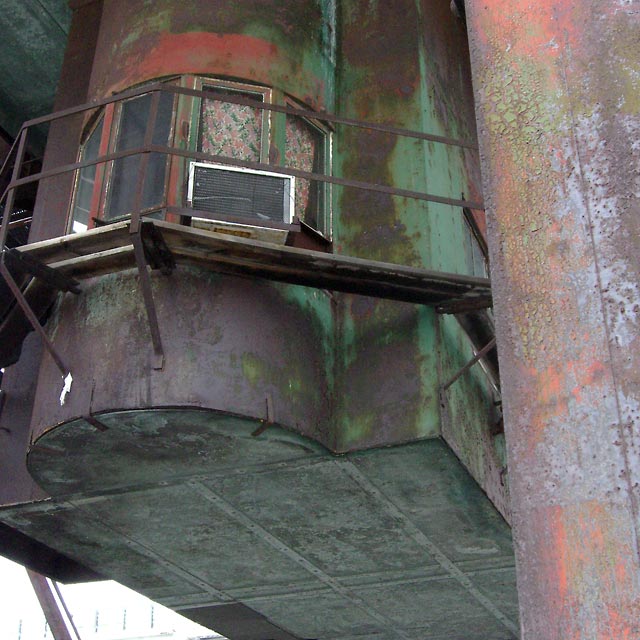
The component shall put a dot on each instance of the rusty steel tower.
(248, 327)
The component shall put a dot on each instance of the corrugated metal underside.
(193, 510)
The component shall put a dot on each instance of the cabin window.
(83, 202)
(478, 254)
(232, 130)
(210, 128)
(132, 126)
(306, 149)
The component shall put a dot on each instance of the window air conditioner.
(260, 197)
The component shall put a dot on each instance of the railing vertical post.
(144, 163)
(134, 230)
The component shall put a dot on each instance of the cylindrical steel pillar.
(557, 86)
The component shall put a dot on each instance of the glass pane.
(305, 151)
(133, 126)
(230, 130)
(86, 181)
(475, 253)
(479, 261)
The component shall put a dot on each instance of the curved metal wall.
(285, 44)
(249, 348)
(240, 346)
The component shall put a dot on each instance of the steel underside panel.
(34, 35)
(192, 510)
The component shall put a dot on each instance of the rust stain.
(201, 52)
(581, 555)
(263, 42)
(376, 35)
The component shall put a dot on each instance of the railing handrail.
(323, 116)
(258, 166)
(165, 87)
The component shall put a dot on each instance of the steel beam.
(557, 87)
(50, 608)
(32, 318)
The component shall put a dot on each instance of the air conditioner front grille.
(231, 191)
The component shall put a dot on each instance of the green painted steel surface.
(390, 543)
(407, 65)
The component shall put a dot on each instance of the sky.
(101, 611)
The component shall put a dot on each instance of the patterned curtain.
(230, 130)
(301, 148)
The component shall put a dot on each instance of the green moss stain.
(257, 372)
(393, 74)
(149, 19)
(110, 298)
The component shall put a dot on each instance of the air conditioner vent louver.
(230, 191)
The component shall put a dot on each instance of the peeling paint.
(555, 115)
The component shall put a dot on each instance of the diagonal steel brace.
(43, 272)
(31, 316)
(136, 239)
(147, 295)
(491, 344)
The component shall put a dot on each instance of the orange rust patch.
(585, 552)
(560, 550)
(596, 372)
(551, 386)
(202, 52)
(552, 22)
(618, 628)
(199, 52)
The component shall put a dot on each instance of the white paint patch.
(622, 297)
(66, 388)
(477, 550)
(593, 182)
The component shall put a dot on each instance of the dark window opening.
(133, 125)
(477, 246)
(82, 204)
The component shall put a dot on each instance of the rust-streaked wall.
(407, 64)
(275, 42)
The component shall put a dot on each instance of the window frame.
(477, 243)
(116, 126)
(202, 83)
(104, 115)
(326, 164)
(96, 120)
(185, 131)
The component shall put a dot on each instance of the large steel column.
(557, 88)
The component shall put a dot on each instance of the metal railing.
(12, 170)
(16, 157)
